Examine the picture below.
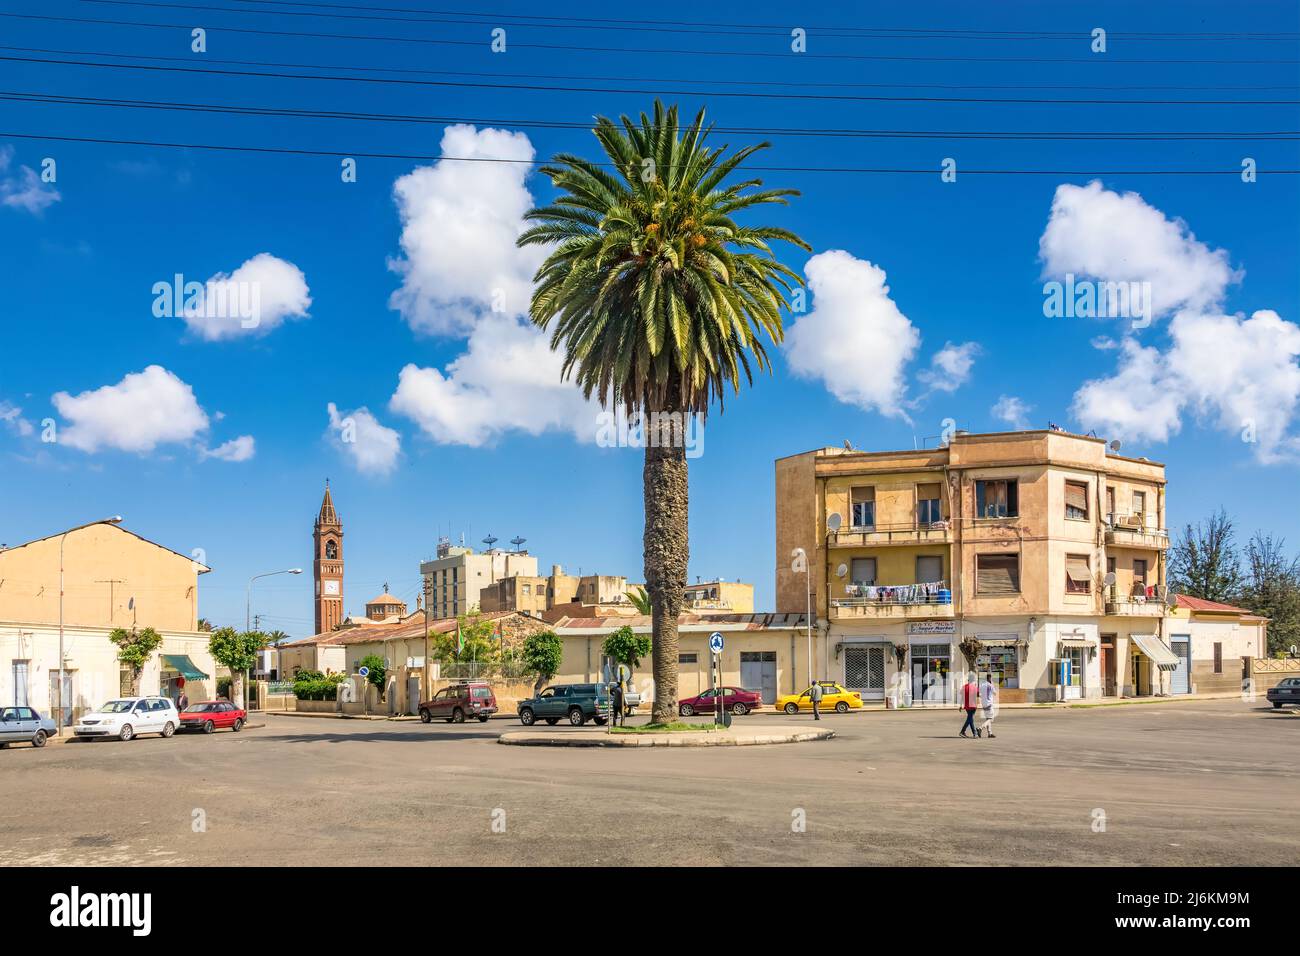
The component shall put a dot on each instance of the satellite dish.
(834, 521)
(842, 570)
(1115, 446)
(1109, 579)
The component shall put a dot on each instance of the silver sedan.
(22, 724)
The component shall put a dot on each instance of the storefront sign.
(932, 627)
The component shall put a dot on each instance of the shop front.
(177, 671)
(1074, 652)
(930, 651)
(1151, 660)
(999, 659)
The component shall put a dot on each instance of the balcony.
(1131, 531)
(894, 602)
(1150, 601)
(883, 535)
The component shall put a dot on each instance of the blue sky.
(483, 446)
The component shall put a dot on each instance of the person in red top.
(970, 700)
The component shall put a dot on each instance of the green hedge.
(318, 688)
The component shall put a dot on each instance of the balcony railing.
(1140, 601)
(910, 532)
(869, 601)
(1133, 530)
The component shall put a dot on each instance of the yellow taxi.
(834, 697)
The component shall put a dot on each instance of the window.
(20, 683)
(997, 574)
(1078, 574)
(528, 590)
(1218, 658)
(929, 568)
(1110, 504)
(1140, 507)
(864, 507)
(928, 509)
(997, 498)
(1076, 500)
(1139, 574)
(864, 571)
(688, 658)
(331, 550)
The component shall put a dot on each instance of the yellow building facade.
(1043, 552)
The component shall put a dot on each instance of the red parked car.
(466, 699)
(735, 699)
(213, 715)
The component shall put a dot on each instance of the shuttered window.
(864, 571)
(997, 574)
(997, 498)
(928, 509)
(863, 500)
(1218, 658)
(1078, 575)
(929, 568)
(1076, 500)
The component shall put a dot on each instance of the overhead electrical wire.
(657, 51)
(655, 92)
(424, 157)
(805, 84)
(851, 133)
(1054, 34)
(576, 23)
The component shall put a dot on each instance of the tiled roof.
(1201, 604)
(410, 626)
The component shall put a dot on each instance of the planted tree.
(378, 670)
(134, 648)
(659, 299)
(626, 646)
(236, 650)
(1204, 561)
(542, 654)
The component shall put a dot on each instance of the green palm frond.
(657, 297)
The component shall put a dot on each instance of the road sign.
(363, 671)
(716, 642)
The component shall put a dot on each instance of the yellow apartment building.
(111, 578)
(1044, 551)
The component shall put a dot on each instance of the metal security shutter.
(864, 571)
(929, 569)
(1180, 679)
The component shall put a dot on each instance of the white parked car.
(128, 717)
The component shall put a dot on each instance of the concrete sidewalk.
(688, 738)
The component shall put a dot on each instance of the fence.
(477, 670)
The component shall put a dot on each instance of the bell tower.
(327, 565)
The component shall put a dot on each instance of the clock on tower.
(327, 536)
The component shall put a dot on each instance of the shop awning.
(183, 664)
(1154, 648)
(1071, 640)
(1001, 642)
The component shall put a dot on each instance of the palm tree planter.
(658, 299)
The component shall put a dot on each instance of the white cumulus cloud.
(237, 449)
(855, 340)
(12, 416)
(508, 380)
(22, 188)
(1013, 411)
(145, 409)
(950, 367)
(373, 448)
(255, 299)
(460, 221)
(1117, 237)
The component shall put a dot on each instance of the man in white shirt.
(989, 706)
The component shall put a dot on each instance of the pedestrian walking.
(616, 696)
(815, 693)
(988, 705)
(970, 701)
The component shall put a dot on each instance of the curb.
(684, 739)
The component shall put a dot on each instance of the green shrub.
(324, 688)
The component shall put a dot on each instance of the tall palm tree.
(659, 299)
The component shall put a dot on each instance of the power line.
(658, 79)
(299, 112)
(657, 92)
(424, 157)
(658, 51)
(581, 23)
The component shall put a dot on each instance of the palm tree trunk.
(667, 553)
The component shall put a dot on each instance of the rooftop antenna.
(489, 540)
(517, 542)
(1115, 446)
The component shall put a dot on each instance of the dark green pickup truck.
(576, 703)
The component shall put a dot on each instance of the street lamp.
(115, 519)
(248, 613)
(799, 565)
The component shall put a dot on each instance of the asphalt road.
(1195, 782)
